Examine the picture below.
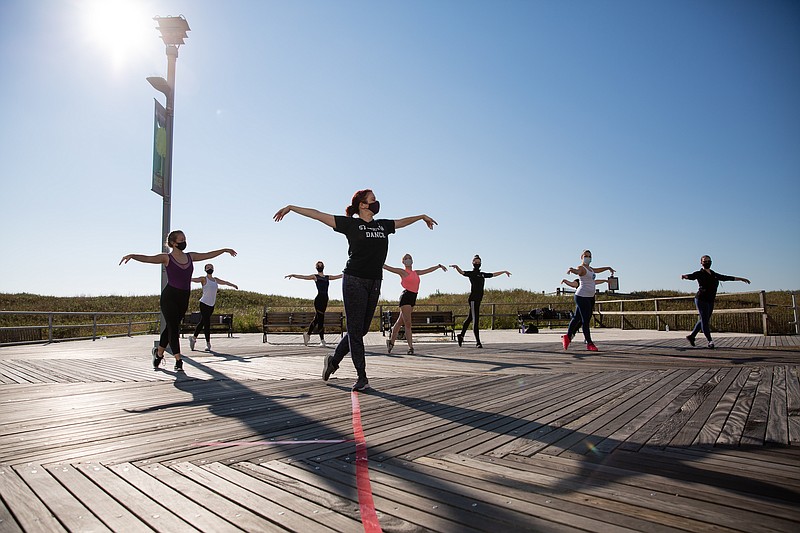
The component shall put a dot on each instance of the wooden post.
(49, 327)
(658, 319)
(764, 316)
(492, 327)
(621, 315)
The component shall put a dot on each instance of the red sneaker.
(591, 347)
(565, 341)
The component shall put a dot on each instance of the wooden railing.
(54, 329)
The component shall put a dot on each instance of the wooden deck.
(646, 435)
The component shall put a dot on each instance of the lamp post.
(173, 32)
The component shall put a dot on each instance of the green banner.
(159, 148)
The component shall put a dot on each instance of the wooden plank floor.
(648, 434)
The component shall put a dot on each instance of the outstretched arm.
(201, 281)
(228, 283)
(741, 279)
(506, 272)
(431, 269)
(154, 259)
(580, 271)
(458, 269)
(199, 256)
(573, 284)
(336, 276)
(403, 222)
(603, 269)
(399, 271)
(300, 276)
(325, 218)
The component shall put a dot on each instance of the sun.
(122, 28)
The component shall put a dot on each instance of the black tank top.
(322, 285)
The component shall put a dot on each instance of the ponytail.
(358, 197)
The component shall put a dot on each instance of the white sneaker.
(192, 341)
(306, 338)
(208, 348)
(323, 344)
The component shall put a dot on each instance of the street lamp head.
(160, 84)
(173, 29)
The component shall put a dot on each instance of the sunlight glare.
(122, 28)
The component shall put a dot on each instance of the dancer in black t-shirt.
(708, 282)
(320, 302)
(477, 279)
(368, 243)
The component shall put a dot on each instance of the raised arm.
(325, 218)
(506, 272)
(300, 276)
(603, 269)
(199, 256)
(403, 222)
(228, 283)
(458, 269)
(431, 269)
(399, 271)
(580, 271)
(154, 259)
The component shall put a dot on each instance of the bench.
(219, 322)
(422, 322)
(529, 321)
(21, 334)
(285, 322)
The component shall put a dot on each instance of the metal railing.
(56, 330)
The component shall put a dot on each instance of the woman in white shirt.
(584, 299)
(207, 303)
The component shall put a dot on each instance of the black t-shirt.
(708, 283)
(369, 244)
(477, 279)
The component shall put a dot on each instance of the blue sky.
(650, 132)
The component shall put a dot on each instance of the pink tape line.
(272, 442)
(369, 518)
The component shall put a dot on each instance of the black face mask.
(476, 267)
(706, 264)
(320, 269)
(210, 271)
(374, 207)
(180, 245)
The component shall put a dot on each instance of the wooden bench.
(285, 322)
(531, 320)
(219, 322)
(21, 334)
(422, 322)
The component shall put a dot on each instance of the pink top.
(410, 282)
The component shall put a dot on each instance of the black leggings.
(318, 324)
(174, 303)
(474, 318)
(205, 321)
(360, 297)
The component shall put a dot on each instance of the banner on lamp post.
(159, 148)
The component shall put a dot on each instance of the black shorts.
(408, 298)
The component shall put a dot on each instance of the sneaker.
(710, 345)
(389, 346)
(410, 351)
(565, 340)
(192, 341)
(690, 339)
(178, 365)
(208, 348)
(328, 368)
(361, 384)
(591, 347)
(306, 338)
(323, 344)
(156, 358)
(460, 339)
(478, 345)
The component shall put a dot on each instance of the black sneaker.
(710, 345)
(329, 367)
(690, 339)
(156, 358)
(178, 365)
(460, 339)
(478, 345)
(361, 384)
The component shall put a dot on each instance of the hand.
(683, 276)
(282, 213)
(231, 251)
(443, 267)
(290, 276)
(745, 280)
(612, 270)
(125, 259)
(508, 274)
(453, 266)
(429, 221)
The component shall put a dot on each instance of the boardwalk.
(646, 435)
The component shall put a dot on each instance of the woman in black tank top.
(320, 302)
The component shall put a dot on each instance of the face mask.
(706, 264)
(320, 269)
(210, 271)
(587, 261)
(408, 262)
(476, 266)
(180, 245)
(374, 207)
